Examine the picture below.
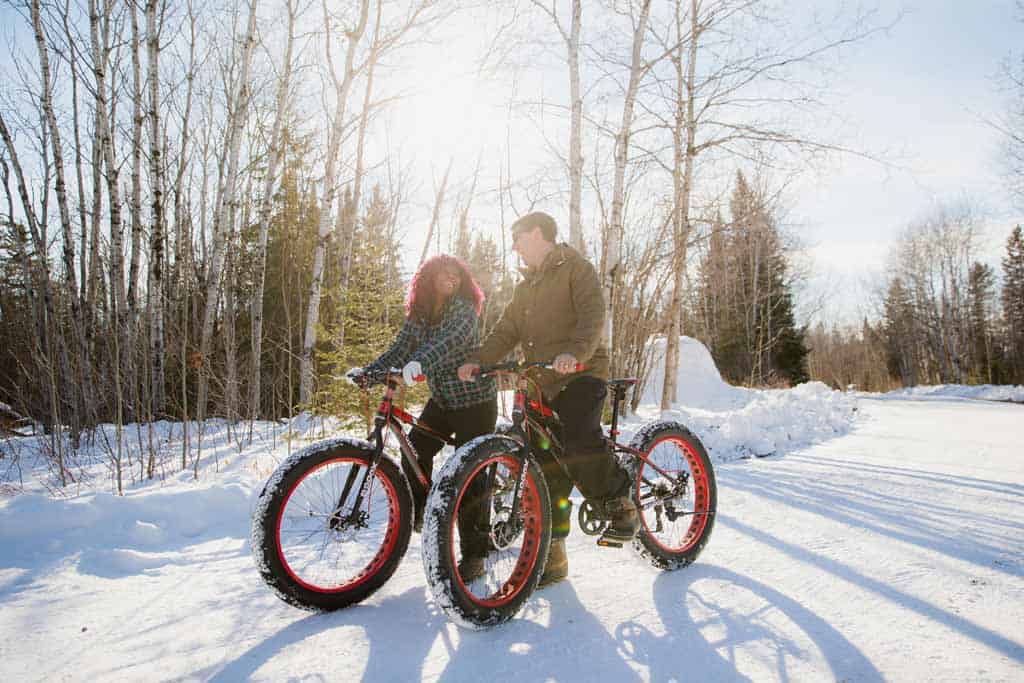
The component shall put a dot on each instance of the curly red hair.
(422, 295)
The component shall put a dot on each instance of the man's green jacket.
(557, 308)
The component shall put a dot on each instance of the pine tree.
(485, 263)
(1013, 303)
(899, 332)
(981, 288)
(371, 310)
(290, 242)
(746, 299)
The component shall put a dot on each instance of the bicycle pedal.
(608, 543)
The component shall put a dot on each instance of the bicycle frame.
(389, 419)
(527, 416)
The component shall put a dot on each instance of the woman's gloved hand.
(412, 373)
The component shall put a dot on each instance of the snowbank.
(698, 383)
(114, 536)
(734, 422)
(984, 392)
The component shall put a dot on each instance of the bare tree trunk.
(611, 274)
(183, 238)
(349, 218)
(276, 154)
(68, 250)
(136, 203)
(131, 330)
(83, 264)
(435, 216)
(575, 131)
(682, 183)
(226, 204)
(341, 91)
(571, 36)
(89, 250)
(156, 240)
(230, 350)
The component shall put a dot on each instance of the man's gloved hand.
(467, 371)
(357, 376)
(412, 373)
(565, 363)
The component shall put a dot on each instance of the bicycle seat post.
(618, 396)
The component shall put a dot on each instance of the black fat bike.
(333, 521)
(498, 478)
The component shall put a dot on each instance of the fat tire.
(266, 543)
(440, 524)
(705, 492)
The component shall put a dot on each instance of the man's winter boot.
(623, 524)
(471, 568)
(557, 567)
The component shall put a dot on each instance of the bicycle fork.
(355, 517)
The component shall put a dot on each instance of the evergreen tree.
(981, 288)
(899, 333)
(746, 299)
(485, 263)
(290, 242)
(1013, 304)
(370, 313)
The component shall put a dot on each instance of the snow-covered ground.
(882, 540)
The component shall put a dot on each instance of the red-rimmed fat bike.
(497, 481)
(334, 520)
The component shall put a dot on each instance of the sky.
(921, 91)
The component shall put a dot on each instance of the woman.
(440, 330)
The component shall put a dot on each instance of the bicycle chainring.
(591, 519)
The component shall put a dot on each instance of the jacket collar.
(555, 258)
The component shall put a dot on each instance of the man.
(557, 312)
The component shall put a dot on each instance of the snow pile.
(698, 383)
(733, 422)
(982, 392)
(121, 535)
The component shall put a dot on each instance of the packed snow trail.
(895, 552)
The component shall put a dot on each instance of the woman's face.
(447, 281)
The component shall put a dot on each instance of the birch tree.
(135, 209)
(637, 70)
(683, 155)
(155, 287)
(342, 86)
(570, 32)
(276, 146)
(226, 202)
(60, 189)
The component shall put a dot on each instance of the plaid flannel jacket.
(441, 348)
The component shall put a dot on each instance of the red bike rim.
(530, 513)
(700, 487)
(382, 555)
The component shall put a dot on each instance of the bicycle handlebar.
(517, 366)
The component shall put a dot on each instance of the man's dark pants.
(587, 461)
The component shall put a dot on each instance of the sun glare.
(451, 113)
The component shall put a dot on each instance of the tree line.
(945, 317)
